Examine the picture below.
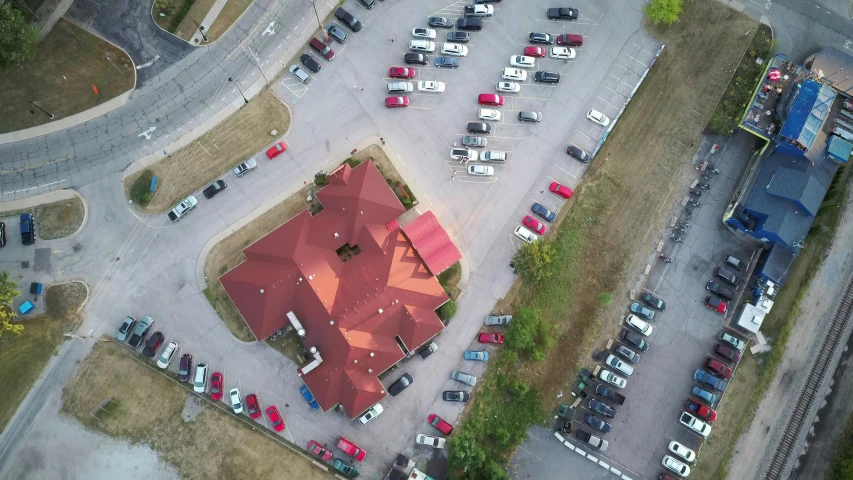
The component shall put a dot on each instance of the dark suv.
(577, 153)
(719, 290)
(476, 127)
(727, 276)
(635, 340)
(546, 77)
(418, 58)
(543, 38)
(153, 344)
(185, 368)
(309, 62)
(474, 24)
(348, 19)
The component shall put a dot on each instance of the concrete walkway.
(207, 22)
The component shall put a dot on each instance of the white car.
(481, 170)
(514, 74)
(641, 326)
(489, 114)
(480, 11)
(371, 413)
(695, 424)
(682, 451)
(236, 403)
(200, 378)
(522, 62)
(619, 365)
(676, 466)
(427, 33)
(430, 441)
(598, 117)
(431, 86)
(167, 354)
(421, 46)
(607, 376)
(463, 154)
(245, 167)
(454, 49)
(399, 87)
(508, 87)
(562, 53)
(493, 156)
(525, 234)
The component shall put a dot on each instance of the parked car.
(592, 440)
(185, 367)
(562, 53)
(429, 350)
(431, 86)
(635, 340)
(253, 405)
(457, 37)
(217, 381)
(596, 423)
(619, 365)
(546, 77)
(299, 74)
(522, 61)
(541, 38)
(321, 48)
(570, 40)
(695, 424)
(371, 414)
(641, 326)
(315, 448)
(426, 33)
(368, 4)
(421, 46)
(525, 235)
(562, 14)
(705, 377)
(125, 328)
(478, 355)
(275, 418)
(705, 395)
(214, 188)
(397, 102)
(430, 441)
(543, 212)
(507, 87)
(245, 167)
(534, 225)
(401, 72)
(351, 449)
(719, 290)
(309, 62)
(628, 354)
(735, 262)
(345, 468)
(500, 320)
(727, 352)
(490, 99)
(732, 341)
(529, 116)
(536, 52)
(490, 338)
(478, 10)
(415, 58)
(609, 394)
(611, 378)
(446, 62)
(153, 344)
(479, 127)
(166, 355)
(601, 408)
(440, 424)
(598, 117)
(455, 396)
(514, 74)
(578, 153)
(493, 156)
(715, 304)
(309, 398)
(28, 228)
(236, 401)
(454, 49)
(439, 22)
(463, 377)
(400, 384)
(677, 466)
(481, 170)
(705, 413)
(642, 311)
(560, 190)
(474, 24)
(653, 301)
(200, 378)
(399, 87)
(136, 339)
(348, 19)
(719, 368)
(727, 276)
(3, 235)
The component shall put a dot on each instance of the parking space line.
(585, 135)
(605, 101)
(568, 172)
(419, 108)
(623, 81)
(634, 59)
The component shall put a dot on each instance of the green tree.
(666, 11)
(447, 310)
(533, 261)
(528, 334)
(493, 470)
(17, 38)
(464, 455)
(8, 292)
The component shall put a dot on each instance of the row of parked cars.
(724, 285)
(28, 230)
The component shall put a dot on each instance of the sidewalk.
(208, 21)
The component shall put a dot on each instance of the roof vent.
(336, 235)
(369, 370)
(380, 310)
(371, 354)
(331, 322)
(313, 350)
(301, 332)
(262, 290)
(362, 212)
(310, 277)
(355, 361)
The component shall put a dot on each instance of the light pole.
(238, 89)
(49, 115)
(201, 31)
(319, 23)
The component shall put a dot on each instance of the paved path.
(214, 12)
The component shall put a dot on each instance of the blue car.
(717, 384)
(446, 62)
(705, 395)
(306, 394)
(476, 355)
(543, 212)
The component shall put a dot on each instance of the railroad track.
(784, 451)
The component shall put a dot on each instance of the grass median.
(146, 408)
(53, 220)
(23, 357)
(596, 238)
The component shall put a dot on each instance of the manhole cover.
(25, 264)
(77, 248)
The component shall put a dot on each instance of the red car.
(397, 102)
(534, 52)
(704, 413)
(254, 406)
(275, 418)
(719, 368)
(276, 150)
(561, 190)
(715, 304)
(318, 450)
(351, 449)
(440, 424)
(490, 99)
(534, 225)
(491, 338)
(401, 72)
(728, 352)
(216, 386)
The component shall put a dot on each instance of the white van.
(525, 234)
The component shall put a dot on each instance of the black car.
(474, 24)
(429, 350)
(368, 4)
(600, 407)
(417, 58)
(577, 153)
(337, 33)
(400, 384)
(446, 62)
(440, 22)
(529, 117)
(727, 276)
(476, 127)
(717, 289)
(562, 13)
(185, 368)
(635, 340)
(2, 234)
(597, 423)
(735, 262)
(455, 396)
(628, 354)
(546, 77)
(486, 1)
(310, 63)
(543, 38)
(543, 212)
(458, 37)
(348, 19)
(153, 344)
(653, 301)
(211, 190)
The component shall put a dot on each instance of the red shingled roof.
(432, 243)
(296, 268)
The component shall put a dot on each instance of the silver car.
(463, 377)
(125, 329)
(498, 319)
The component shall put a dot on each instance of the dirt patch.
(290, 346)
(53, 220)
(23, 357)
(236, 139)
(213, 445)
(228, 253)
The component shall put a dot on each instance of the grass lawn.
(23, 357)
(237, 138)
(450, 278)
(229, 14)
(596, 237)
(53, 220)
(68, 62)
(197, 13)
(237, 451)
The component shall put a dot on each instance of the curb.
(600, 461)
(50, 197)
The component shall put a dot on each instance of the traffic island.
(54, 220)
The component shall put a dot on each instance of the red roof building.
(360, 292)
(432, 243)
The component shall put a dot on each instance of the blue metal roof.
(839, 149)
(807, 112)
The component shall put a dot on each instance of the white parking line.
(605, 101)
(419, 108)
(568, 172)
(585, 135)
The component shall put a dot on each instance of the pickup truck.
(28, 229)
(610, 394)
(716, 383)
(562, 13)
(593, 440)
(182, 208)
